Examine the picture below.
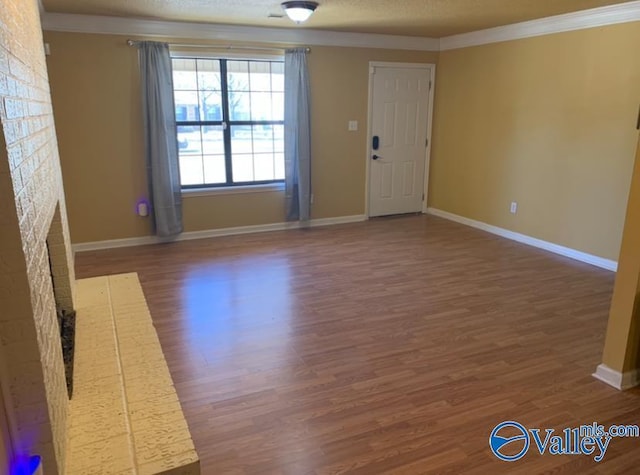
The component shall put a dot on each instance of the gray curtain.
(161, 144)
(297, 136)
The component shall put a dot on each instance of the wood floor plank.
(391, 346)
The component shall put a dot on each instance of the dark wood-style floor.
(391, 346)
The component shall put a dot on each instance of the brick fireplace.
(35, 252)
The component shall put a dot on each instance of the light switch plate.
(353, 125)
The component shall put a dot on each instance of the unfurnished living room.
(319, 237)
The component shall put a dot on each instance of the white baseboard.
(618, 380)
(531, 241)
(209, 233)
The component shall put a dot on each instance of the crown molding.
(609, 15)
(209, 31)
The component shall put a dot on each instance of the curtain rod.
(227, 47)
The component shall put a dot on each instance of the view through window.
(230, 121)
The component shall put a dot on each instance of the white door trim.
(431, 67)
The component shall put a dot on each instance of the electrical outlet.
(353, 125)
(514, 207)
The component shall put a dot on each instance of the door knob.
(375, 157)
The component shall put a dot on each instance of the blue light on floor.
(25, 465)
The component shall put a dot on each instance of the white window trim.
(233, 190)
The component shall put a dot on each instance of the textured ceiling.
(432, 18)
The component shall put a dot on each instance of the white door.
(399, 117)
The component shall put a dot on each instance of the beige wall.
(96, 97)
(548, 122)
(31, 198)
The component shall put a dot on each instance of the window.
(230, 121)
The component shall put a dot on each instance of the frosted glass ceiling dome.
(299, 12)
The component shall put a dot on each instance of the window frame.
(226, 124)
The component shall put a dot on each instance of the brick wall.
(32, 210)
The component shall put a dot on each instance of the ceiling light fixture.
(299, 12)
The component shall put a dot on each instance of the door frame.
(431, 67)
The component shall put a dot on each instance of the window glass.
(278, 166)
(185, 77)
(209, 75)
(210, 105)
(239, 106)
(238, 75)
(260, 76)
(261, 109)
(277, 77)
(237, 139)
(187, 106)
(263, 166)
(242, 168)
(214, 169)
